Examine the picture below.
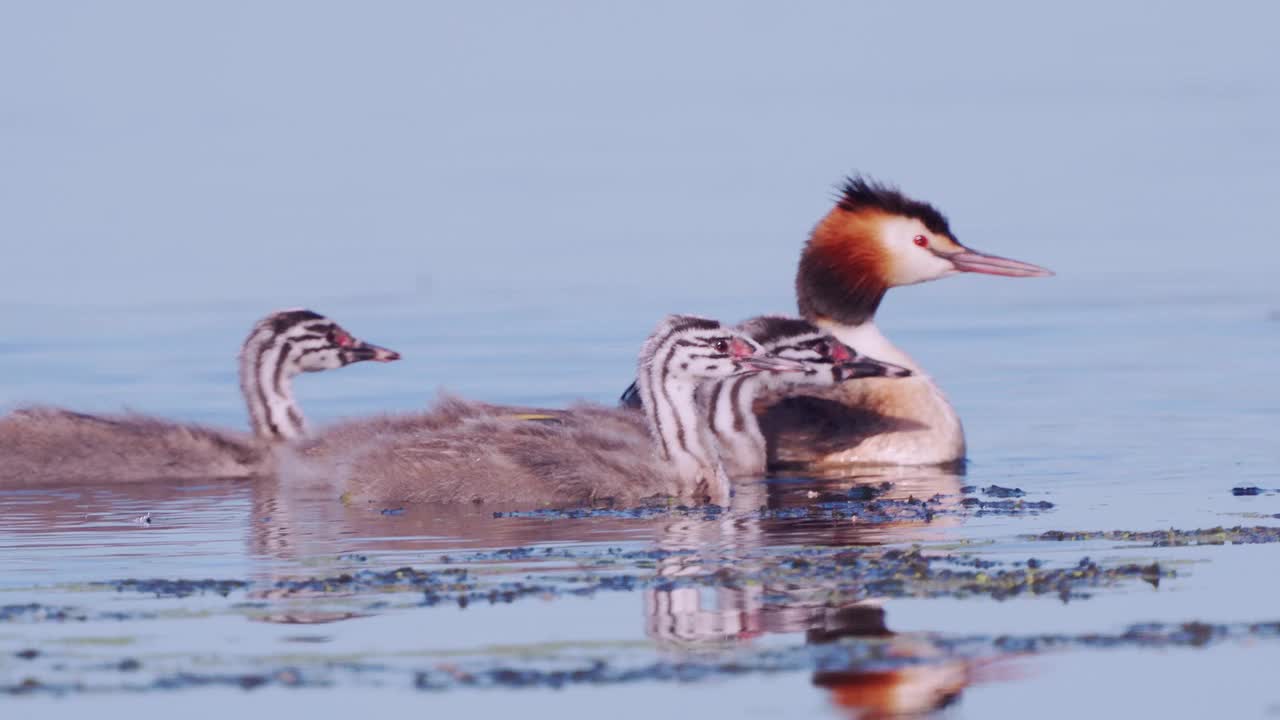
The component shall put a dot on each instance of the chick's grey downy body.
(42, 445)
(582, 455)
(589, 454)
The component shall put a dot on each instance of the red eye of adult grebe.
(920, 241)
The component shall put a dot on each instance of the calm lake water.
(1139, 409)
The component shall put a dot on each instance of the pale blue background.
(282, 151)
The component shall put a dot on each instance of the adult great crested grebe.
(875, 238)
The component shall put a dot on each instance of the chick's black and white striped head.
(828, 360)
(310, 342)
(696, 348)
(286, 343)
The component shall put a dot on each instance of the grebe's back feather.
(42, 446)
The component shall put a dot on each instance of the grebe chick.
(43, 446)
(590, 454)
(732, 403)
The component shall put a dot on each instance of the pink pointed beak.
(975, 262)
(363, 351)
(773, 364)
(381, 354)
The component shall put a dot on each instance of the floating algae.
(861, 503)
(1238, 535)
(847, 573)
(847, 654)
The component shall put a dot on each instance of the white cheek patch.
(911, 263)
(922, 266)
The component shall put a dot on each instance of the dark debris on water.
(1252, 490)
(846, 655)
(1003, 492)
(288, 677)
(177, 588)
(1238, 535)
(898, 574)
(38, 613)
(1006, 507)
(848, 573)
(862, 503)
(850, 654)
(35, 612)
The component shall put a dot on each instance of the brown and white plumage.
(874, 239)
(43, 446)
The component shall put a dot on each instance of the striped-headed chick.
(731, 403)
(45, 446)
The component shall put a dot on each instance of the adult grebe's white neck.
(867, 339)
(902, 421)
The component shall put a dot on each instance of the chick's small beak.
(362, 351)
(968, 260)
(864, 367)
(773, 364)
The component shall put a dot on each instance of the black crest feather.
(862, 193)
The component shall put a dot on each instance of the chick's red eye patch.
(739, 348)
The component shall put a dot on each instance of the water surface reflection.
(724, 609)
(796, 576)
